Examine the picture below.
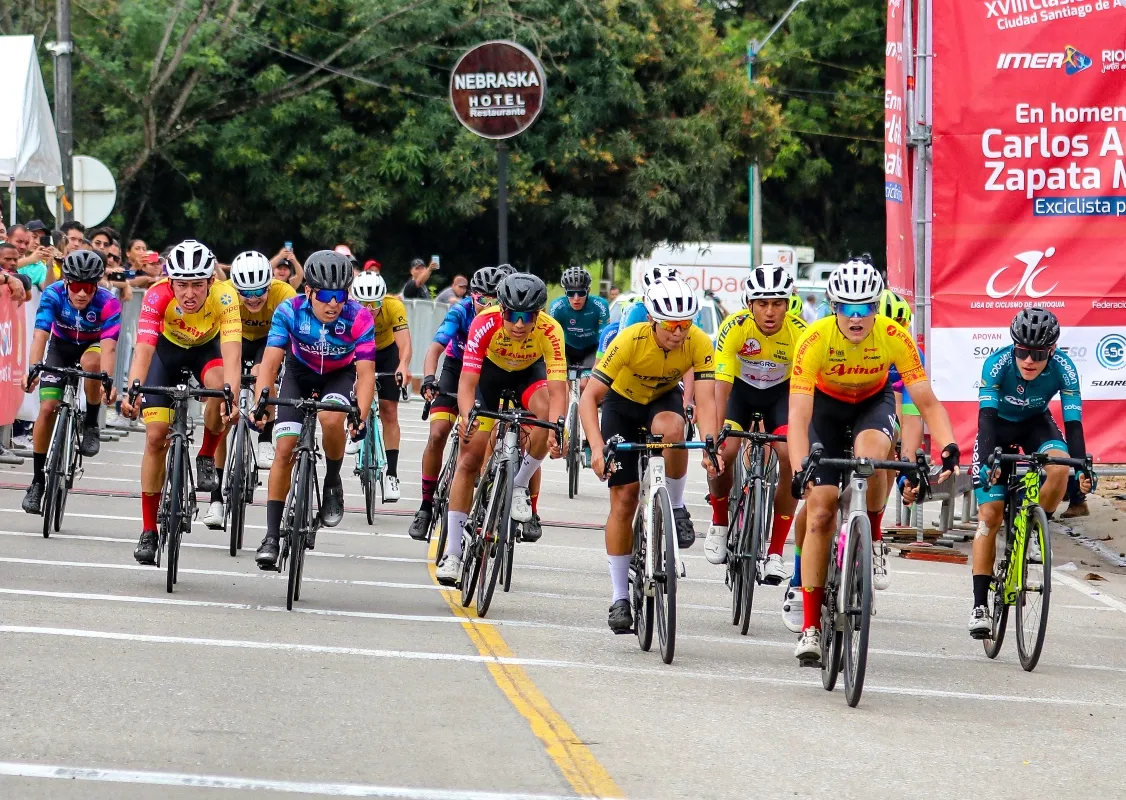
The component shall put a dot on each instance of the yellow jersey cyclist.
(513, 346)
(189, 321)
(840, 382)
(754, 355)
(637, 384)
(392, 355)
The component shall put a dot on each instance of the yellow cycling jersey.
(162, 316)
(389, 318)
(487, 339)
(743, 351)
(256, 324)
(639, 369)
(828, 362)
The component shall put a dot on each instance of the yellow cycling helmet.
(796, 305)
(894, 306)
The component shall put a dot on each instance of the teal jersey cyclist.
(582, 316)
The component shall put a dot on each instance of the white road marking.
(1086, 589)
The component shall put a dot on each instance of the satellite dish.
(95, 191)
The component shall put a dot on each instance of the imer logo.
(1111, 351)
(1071, 60)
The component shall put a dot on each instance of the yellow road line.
(573, 758)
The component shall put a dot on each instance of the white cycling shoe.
(215, 518)
(265, 455)
(715, 544)
(521, 504)
(808, 651)
(793, 609)
(881, 572)
(351, 448)
(1034, 554)
(774, 570)
(981, 623)
(390, 489)
(449, 570)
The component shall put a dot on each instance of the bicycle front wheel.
(574, 451)
(642, 600)
(302, 509)
(236, 489)
(856, 598)
(494, 536)
(367, 471)
(753, 537)
(471, 542)
(664, 584)
(737, 502)
(1036, 591)
(173, 521)
(52, 473)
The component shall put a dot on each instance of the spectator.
(74, 234)
(116, 277)
(135, 254)
(19, 285)
(810, 311)
(415, 288)
(823, 308)
(288, 268)
(612, 295)
(455, 291)
(100, 239)
(35, 261)
(371, 265)
(3, 232)
(151, 269)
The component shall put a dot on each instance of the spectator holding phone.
(287, 266)
(415, 288)
(36, 258)
(18, 285)
(116, 277)
(150, 271)
(135, 255)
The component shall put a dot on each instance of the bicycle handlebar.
(398, 376)
(755, 436)
(998, 456)
(619, 445)
(917, 471)
(307, 406)
(71, 372)
(183, 393)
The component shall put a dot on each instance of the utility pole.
(754, 172)
(64, 117)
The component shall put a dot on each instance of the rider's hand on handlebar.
(464, 431)
(598, 463)
(1084, 482)
(709, 467)
(128, 409)
(429, 388)
(950, 456)
(554, 449)
(29, 383)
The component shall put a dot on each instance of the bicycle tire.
(753, 540)
(857, 603)
(236, 480)
(379, 452)
(313, 515)
(737, 508)
(1000, 613)
(494, 534)
(173, 520)
(1029, 651)
(642, 602)
(832, 650)
(51, 472)
(367, 471)
(665, 585)
(66, 477)
(296, 533)
(471, 556)
(574, 451)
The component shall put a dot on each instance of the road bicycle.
(846, 611)
(240, 478)
(491, 533)
(655, 564)
(301, 515)
(1018, 581)
(371, 461)
(64, 456)
(752, 505)
(572, 434)
(177, 499)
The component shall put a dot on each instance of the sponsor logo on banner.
(1111, 351)
(1069, 59)
(1026, 284)
(1014, 14)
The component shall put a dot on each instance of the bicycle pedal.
(980, 635)
(628, 631)
(814, 663)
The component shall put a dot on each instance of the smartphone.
(437, 262)
(45, 240)
(289, 246)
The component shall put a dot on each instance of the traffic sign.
(95, 191)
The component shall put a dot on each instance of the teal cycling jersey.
(1017, 400)
(581, 328)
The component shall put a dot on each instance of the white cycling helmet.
(855, 282)
(369, 287)
(671, 299)
(656, 272)
(251, 270)
(189, 261)
(768, 282)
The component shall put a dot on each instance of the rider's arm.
(702, 370)
(905, 356)
(467, 391)
(1072, 403)
(481, 332)
(689, 379)
(39, 345)
(365, 386)
(298, 276)
(555, 364)
(268, 370)
(230, 336)
(592, 396)
(142, 359)
(933, 412)
(430, 362)
(797, 431)
(111, 329)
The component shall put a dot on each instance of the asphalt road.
(377, 686)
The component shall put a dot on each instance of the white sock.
(455, 527)
(676, 489)
(527, 470)
(619, 576)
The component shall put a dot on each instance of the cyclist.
(1017, 383)
(795, 306)
(582, 316)
(442, 393)
(76, 325)
(637, 384)
(840, 383)
(754, 355)
(611, 329)
(392, 355)
(513, 346)
(327, 343)
(188, 322)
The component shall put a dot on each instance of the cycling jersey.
(455, 328)
(101, 319)
(580, 328)
(1017, 400)
(488, 340)
(161, 315)
(389, 318)
(639, 369)
(256, 324)
(607, 336)
(323, 346)
(744, 352)
(828, 362)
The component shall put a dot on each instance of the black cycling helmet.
(486, 280)
(507, 269)
(327, 269)
(1035, 327)
(575, 279)
(84, 265)
(522, 292)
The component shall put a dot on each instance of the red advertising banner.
(1029, 195)
(897, 172)
(13, 361)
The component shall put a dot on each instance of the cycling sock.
(267, 432)
(619, 577)
(778, 537)
(426, 505)
(719, 510)
(455, 525)
(428, 486)
(393, 463)
(210, 443)
(981, 590)
(150, 502)
(795, 579)
(39, 461)
(876, 518)
(332, 471)
(90, 420)
(527, 470)
(676, 489)
(274, 510)
(811, 606)
(535, 498)
(217, 492)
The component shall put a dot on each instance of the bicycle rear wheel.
(494, 536)
(857, 604)
(471, 547)
(737, 501)
(367, 471)
(299, 523)
(753, 538)
(664, 584)
(52, 473)
(642, 601)
(176, 510)
(574, 451)
(1036, 591)
(1000, 617)
(236, 487)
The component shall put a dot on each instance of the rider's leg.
(433, 454)
(719, 487)
(670, 426)
(469, 460)
(989, 517)
(535, 400)
(619, 537)
(1055, 483)
(280, 478)
(821, 514)
(389, 419)
(153, 463)
(41, 435)
(784, 502)
(91, 361)
(800, 522)
(333, 424)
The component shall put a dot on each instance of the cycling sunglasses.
(515, 317)
(577, 292)
(374, 305)
(671, 325)
(484, 299)
(89, 287)
(331, 295)
(252, 293)
(857, 309)
(1021, 353)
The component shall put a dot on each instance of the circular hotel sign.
(497, 89)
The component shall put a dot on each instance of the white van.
(716, 267)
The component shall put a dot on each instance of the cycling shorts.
(387, 360)
(496, 380)
(1037, 435)
(252, 352)
(444, 406)
(170, 364)
(834, 419)
(631, 420)
(583, 359)
(301, 383)
(61, 353)
(773, 403)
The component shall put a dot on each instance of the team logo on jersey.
(305, 328)
(339, 329)
(751, 347)
(92, 316)
(226, 299)
(1020, 389)
(892, 329)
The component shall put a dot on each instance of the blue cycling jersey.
(101, 319)
(1016, 399)
(323, 346)
(581, 328)
(455, 328)
(608, 334)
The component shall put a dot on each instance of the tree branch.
(205, 8)
(159, 58)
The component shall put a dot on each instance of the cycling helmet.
(796, 305)
(326, 269)
(656, 272)
(507, 269)
(1035, 327)
(251, 270)
(84, 265)
(768, 282)
(486, 280)
(369, 287)
(575, 279)
(855, 282)
(671, 299)
(190, 261)
(522, 292)
(894, 306)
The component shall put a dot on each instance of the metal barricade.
(130, 313)
(424, 317)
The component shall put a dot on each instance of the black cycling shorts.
(170, 363)
(773, 403)
(445, 403)
(61, 353)
(833, 419)
(252, 352)
(631, 420)
(1036, 435)
(580, 358)
(387, 360)
(522, 382)
(300, 382)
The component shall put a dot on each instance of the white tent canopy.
(29, 146)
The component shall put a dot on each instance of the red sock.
(535, 503)
(150, 502)
(876, 518)
(210, 442)
(811, 609)
(719, 510)
(778, 537)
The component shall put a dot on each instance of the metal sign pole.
(502, 202)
